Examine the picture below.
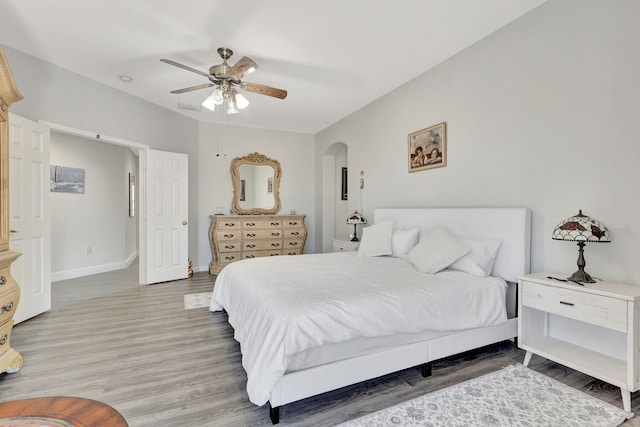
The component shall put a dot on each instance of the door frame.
(139, 150)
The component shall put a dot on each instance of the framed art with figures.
(428, 148)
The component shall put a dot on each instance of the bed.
(314, 323)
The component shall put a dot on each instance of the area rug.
(513, 396)
(197, 300)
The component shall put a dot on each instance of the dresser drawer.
(230, 246)
(258, 245)
(262, 234)
(294, 233)
(259, 254)
(575, 304)
(5, 336)
(292, 223)
(292, 251)
(226, 258)
(232, 234)
(8, 304)
(261, 223)
(230, 224)
(293, 244)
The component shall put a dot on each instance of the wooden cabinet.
(591, 328)
(10, 360)
(236, 237)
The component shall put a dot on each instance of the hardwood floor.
(138, 350)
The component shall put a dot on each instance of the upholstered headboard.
(511, 225)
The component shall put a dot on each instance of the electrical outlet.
(89, 250)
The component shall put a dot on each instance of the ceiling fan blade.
(264, 90)
(189, 89)
(185, 67)
(243, 67)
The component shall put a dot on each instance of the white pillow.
(403, 241)
(376, 239)
(478, 262)
(436, 251)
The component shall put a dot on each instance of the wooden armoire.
(10, 360)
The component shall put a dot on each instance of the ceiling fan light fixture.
(216, 98)
(232, 108)
(209, 104)
(241, 101)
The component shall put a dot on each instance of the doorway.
(335, 207)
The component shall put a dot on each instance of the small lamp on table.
(355, 219)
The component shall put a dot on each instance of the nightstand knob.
(3, 280)
(4, 339)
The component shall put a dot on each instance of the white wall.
(98, 218)
(543, 113)
(295, 153)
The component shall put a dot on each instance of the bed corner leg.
(274, 414)
(425, 369)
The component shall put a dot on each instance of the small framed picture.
(345, 187)
(270, 185)
(428, 148)
(243, 190)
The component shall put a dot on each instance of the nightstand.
(591, 328)
(344, 245)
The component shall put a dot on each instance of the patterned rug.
(197, 300)
(513, 396)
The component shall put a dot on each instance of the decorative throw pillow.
(376, 239)
(437, 250)
(478, 262)
(403, 241)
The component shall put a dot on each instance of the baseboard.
(94, 269)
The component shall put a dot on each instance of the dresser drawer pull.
(294, 233)
(251, 235)
(7, 307)
(293, 243)
(275, 245)
(567, 303)
(251, 246)
(3, 280)
(229, 247)
(4, 339)
(274, 254)
(275, 224)
(275, 234)
(293, 253)
(251, 224)
(228, 236)
(293, 222)
(229, 258)
(229, 224)
(250, 256)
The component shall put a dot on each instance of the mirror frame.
(256, 159)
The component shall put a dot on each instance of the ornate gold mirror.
(256, 184)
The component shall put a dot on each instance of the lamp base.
(581, 276)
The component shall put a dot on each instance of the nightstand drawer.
(590, 308)
(345, 246)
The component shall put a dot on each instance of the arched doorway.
(334, 208)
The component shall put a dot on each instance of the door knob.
(184, 222)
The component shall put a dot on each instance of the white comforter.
(279, 306)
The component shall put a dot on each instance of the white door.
(167, 214)
(29, 218)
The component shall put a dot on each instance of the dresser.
(10, 360)
(236, 237)
(591, 328)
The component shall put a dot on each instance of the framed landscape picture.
(428, 148)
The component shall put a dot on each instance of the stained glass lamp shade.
(355, 219)
(581, 229)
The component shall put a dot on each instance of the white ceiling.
(332, 56)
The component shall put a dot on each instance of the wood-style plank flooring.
(137, 349)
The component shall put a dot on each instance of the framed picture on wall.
(428, 148)
(132, 195)
(345, 194)
(270, 185)
(243, 194)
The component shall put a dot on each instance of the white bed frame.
(511, 225)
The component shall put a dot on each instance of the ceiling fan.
(226, 80)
